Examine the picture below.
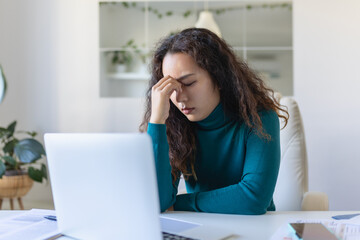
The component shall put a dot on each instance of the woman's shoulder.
(268, 115)
(270, 120)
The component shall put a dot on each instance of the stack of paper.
(348, 229)
(28, 225)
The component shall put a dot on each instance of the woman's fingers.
(161, 81)
(161, 93)
(166, 86)
(165, 81)
(172, 82)
(170, 88)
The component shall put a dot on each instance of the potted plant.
(122, 59)
(18, 158)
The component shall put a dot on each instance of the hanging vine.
(187, 13)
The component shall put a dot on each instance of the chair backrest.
(292, 181)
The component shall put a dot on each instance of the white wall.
(327, 86)
(77, 74)
(49, 51)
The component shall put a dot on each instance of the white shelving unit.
(129, 76)
(289, 48)
(262, 37)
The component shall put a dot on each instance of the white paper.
(171, 225)
(29, 225)
(354, 220)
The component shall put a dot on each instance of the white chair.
(291, 191)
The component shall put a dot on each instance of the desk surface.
(247, 227)
(252, 227)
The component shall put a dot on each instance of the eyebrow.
(185, 76)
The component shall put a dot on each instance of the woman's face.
(199, 96)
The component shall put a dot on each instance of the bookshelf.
(260, 34)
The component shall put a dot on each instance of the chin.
(193, 118)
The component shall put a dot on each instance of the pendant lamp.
(206, 20)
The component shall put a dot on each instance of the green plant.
(124, 55)
(189, 12)
(121, 57)
(20, 155)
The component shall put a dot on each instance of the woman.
(213, 120)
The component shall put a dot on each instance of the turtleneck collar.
(216, 119)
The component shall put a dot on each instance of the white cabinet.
(260, 33)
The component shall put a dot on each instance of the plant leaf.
(187, 13)
(2, 169)
(3, 84)
(10, 160)
(3, 132)
(115, 58)
(11, 128)
(130, 42)
(29, 150)
(44, 172)
(32, 134)
(9, 146)
(35, 174)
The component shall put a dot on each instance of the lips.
(187, 110)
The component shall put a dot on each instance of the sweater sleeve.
(253, 194)
(167, 190)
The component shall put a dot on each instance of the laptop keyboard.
(170, 236)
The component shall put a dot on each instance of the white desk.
(258, 227)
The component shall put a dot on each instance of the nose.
(181, 96)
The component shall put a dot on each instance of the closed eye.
(189, 84)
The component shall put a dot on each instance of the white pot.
(120, 68)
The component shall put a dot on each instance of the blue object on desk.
(346, 216)
(50, 217)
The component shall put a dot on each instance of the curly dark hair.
(242, 92)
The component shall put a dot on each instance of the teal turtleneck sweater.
(236, 168)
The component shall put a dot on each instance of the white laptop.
(104, 187)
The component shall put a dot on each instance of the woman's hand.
(160, 95)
